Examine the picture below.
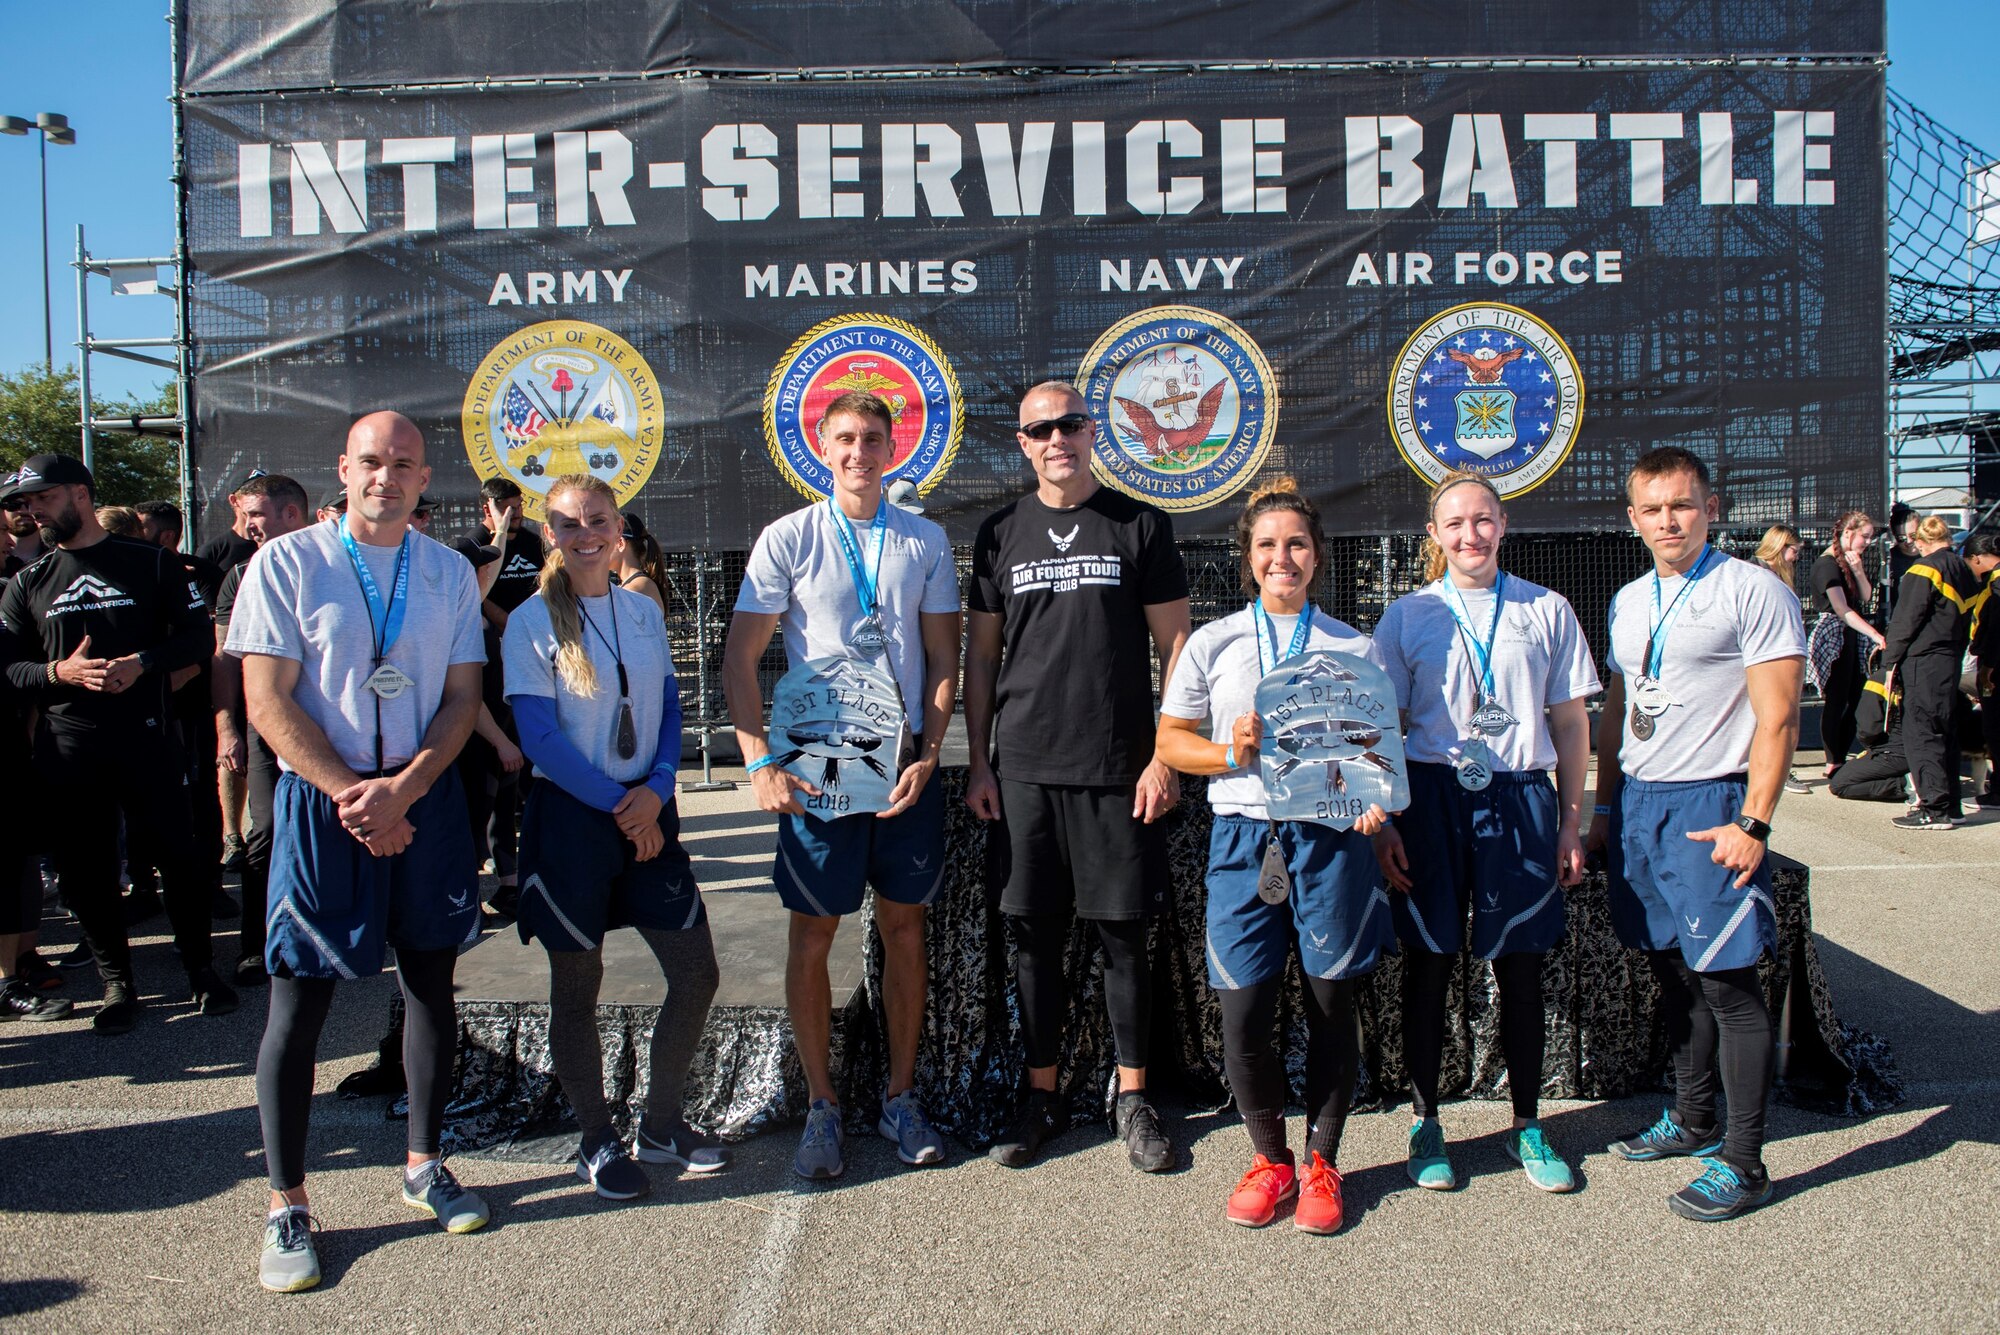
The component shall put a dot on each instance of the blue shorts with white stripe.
(1667, 890)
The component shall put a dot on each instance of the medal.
(1650, 698)
(1642, 723)
(1490, 720)
(388, 681)
(1489, 717)
(1274, 880)
(871, 638)
(1475, 767)
(1268, 657)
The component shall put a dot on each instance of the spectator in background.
(20, 525)
(641, 566)
(233, 546)
(24, 975)
(226, 551)
(420, 518)
(490, 764)
(1902, 553)
(120, 521)
(1882, 772)
(1927, 638)
(332, 507)
(1779, 553)
(1982, 553)
(1841, 594)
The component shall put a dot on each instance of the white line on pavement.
(764, 1282)
(1899, 866)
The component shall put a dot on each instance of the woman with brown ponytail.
(1335, 914)
(1492, 672)
(592, 685)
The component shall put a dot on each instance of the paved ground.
(131, 1187)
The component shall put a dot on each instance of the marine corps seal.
(1488, 389)
(564, 397)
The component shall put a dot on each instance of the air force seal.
(1185, 403)
(888, 358)
(1488, 389)
(564, 397)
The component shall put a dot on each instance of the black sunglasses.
(14, 503)
(1069, 424)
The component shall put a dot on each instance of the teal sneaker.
(289, 1263)
(1721, 1192)
(1430, 1166)
(440, 1195)
(1668, 1139)
(1545, 1168)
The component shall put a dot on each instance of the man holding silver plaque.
(1306, 758)
(868, 599)
(1075, 588)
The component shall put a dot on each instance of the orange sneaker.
(1319, 1198)
(1254, 1203)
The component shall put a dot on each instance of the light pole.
(54, 129)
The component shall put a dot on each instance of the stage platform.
(1605, 1040)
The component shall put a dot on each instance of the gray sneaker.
(289, 1263)
(679, 1143)
(438, 1194)
(903, 1121)
(819, 1148)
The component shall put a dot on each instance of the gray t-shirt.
(528, 652)
(301, 599)
(1216, 679)
(798, 572)
(1737, 616)
(1540, 658)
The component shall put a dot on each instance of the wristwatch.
(1759, 830)
(147, 661)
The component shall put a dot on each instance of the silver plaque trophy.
(1333, 744)
(838, 724)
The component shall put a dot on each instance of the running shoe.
(18, 1001)
(679, 1143)
(1139, 1127)
(38, 973)
(119, 1012)
(819, 1155)
(903, 1121)
(250, 972)
(1036, 1124)
(1255, 1201)
(235, 854)
(212, 996)
(1429, 1166)
(373, 1081)
(77, 956)
(438, 1194)
(1546, 1170)
(1919, 819)
(1795, 784)
(289, 1264)
(1667, 1139)
(606, 1169)
(1722, 1191)
(1319, 1209)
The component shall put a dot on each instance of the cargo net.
(1944, 292)
(1362, 576)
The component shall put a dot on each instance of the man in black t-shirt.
(1075, 588)
(91, 633)
(234, 545)
(490, 764)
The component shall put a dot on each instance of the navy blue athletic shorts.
(1494, 849)
(334, 905)
(1667, 890)
(1337, 912)
(823, 866)
(1077, 850)
(579, 879)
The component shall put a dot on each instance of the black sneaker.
(18, 1001)
(1667, 1139)
(1921, 819)
(119, 1012)
(77, 956)
(374, 1081)
(610, 1173)
(1023, 1141)
(38, 973)
(250, 972)
(222, 908)
(235, 855)
(212, 996)
(1139, 1127)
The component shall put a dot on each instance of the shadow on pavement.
(18, 1297)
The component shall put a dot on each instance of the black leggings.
(1257, 1072)
(1711, 1015)
(1523, 1027)
(1840, 696)
(1039, 943)
(291, 1042)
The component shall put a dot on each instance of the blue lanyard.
(385, 624)
(865, 585)
(1656, 639)
(1482, 654)
(1267, 629)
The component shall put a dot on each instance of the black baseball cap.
(247, 479)
(334, 500)
(42, 471)
(424, 503)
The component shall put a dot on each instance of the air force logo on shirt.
(87, 593)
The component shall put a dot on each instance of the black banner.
(1361, 278)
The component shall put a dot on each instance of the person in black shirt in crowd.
(1982, 552)
(271, 506)
(1882, 772)
(420, 518)
(1839, 588)
(489, 771)
(1927, 639)
(92, 633)
(234, 545)
(1075, 588)
(23, 973)
(28, 545)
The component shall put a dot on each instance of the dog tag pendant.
(625, 738)
(1475, 766)
(1274, 880)
(1642, 723)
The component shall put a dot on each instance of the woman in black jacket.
(1927, 639)
(1838, 587)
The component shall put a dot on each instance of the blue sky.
(104, 63)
